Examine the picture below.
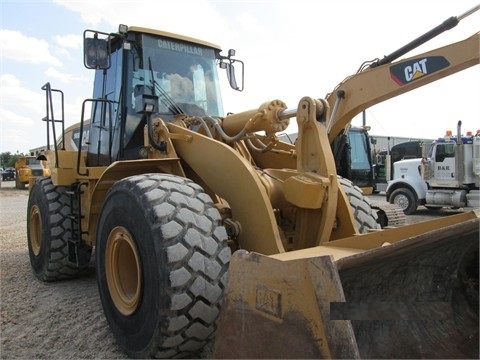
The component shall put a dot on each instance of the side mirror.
(96, 51)
(226, 62)
(231, 76)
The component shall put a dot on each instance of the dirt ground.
(62, 320)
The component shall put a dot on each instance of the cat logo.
(404, 72)
(416, 70)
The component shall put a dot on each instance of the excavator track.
(389, 215)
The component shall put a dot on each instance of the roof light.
(122, 29)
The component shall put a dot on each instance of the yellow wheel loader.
(26, 167)
(207, 228)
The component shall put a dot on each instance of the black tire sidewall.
(410, 209)
(363, 213)
(52, 262)
(39, 262)
(122, 209)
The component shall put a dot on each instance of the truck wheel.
(363, 213)
(161, 260)
(48, 231)
(405, 199)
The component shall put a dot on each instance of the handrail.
(50, 118)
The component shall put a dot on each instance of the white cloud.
(10, 117)
(54, 74)
(9, 80)
(68, 47)
(69, 41)
(19, 47)
(14, 131)
(91, 12)
(14, 95)
(21, 114)
(180, 16)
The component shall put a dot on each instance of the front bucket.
(414, 298)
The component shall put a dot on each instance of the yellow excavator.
(208, 229)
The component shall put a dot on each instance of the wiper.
(166, 99)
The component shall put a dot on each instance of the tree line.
(7, 159)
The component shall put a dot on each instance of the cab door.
(104, 144)
(444, 165)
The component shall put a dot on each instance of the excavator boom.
(372, 86)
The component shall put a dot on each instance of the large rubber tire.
(365, 216)
(404, 198)
(162, 259)
(19, 185)
(48, 231)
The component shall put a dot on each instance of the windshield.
(32, 161)
(182, 75)
(359, 152)
(429, 149)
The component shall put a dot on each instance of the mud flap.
(414, 298)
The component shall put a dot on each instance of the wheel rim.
(35, 230)
(123, 271)
(402, 201)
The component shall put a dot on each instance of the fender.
(406, 175)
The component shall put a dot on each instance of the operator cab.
(139, 72)
(352, 151)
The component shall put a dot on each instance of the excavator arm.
(377, 84)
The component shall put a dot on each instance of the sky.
(291, 49)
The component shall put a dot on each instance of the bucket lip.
(440, 236)
(382, 242)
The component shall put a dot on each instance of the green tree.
(7, 159)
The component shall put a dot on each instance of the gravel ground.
(62, 320)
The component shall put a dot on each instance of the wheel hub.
(401, 201)
(123, 270)
(35, 230)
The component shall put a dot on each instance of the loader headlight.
(149, 108)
